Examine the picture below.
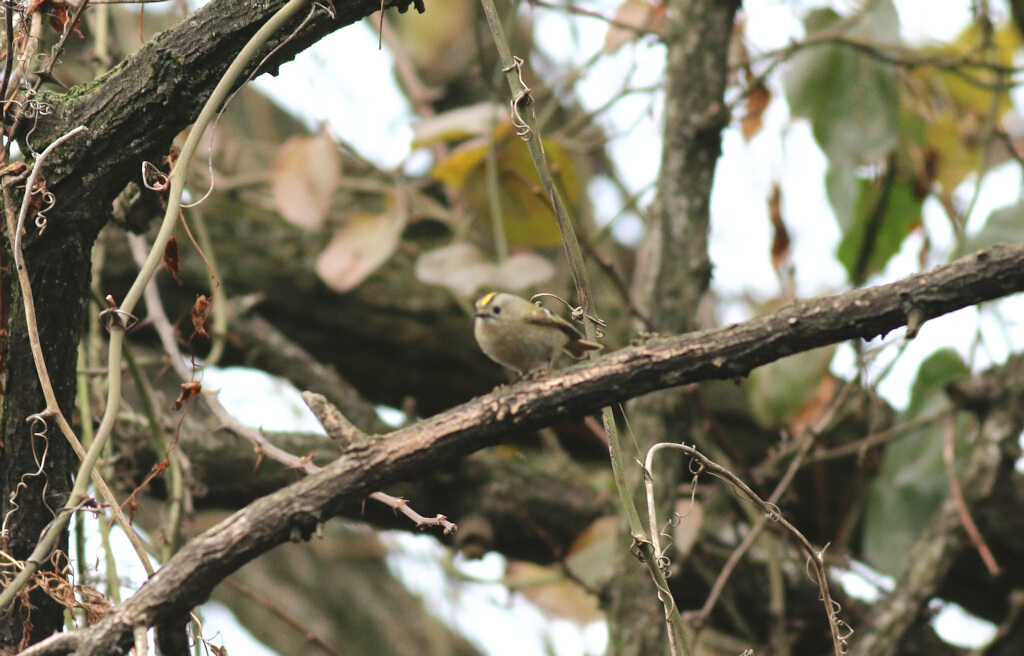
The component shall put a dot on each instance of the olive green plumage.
(524, 336)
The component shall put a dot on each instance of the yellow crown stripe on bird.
(523, 336)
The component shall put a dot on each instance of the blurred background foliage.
(370, 271)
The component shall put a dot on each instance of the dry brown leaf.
(521, 270)
(780, 234)
(306, 172)
(172, 258)
(460, 267)
(757, 101)
(58, 17)
(188, 390)
(815, 406)
(458, 124)
(464, 269)
(95, 604)
(640, 15)
(200, 312)
(591, 555)
(360, 246)
(550, 591)
(690, 517)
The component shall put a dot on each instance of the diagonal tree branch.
(294, 512)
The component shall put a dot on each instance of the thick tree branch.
(294, 512)
(132, 114)
(134, 111)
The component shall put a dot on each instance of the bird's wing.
(546, 318)
(578, 348)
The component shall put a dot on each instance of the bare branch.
(295, 512)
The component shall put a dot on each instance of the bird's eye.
(497, 310)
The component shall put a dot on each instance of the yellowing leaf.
(454, 169)
(955, 144)
(306, 173)
(359, 247)
(458, 124)
(526, 212)
(967, 96)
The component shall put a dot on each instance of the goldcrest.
(523, 336)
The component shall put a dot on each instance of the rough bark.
(673, 271)
(295, 512)
(393, 327)
(132, 114)
(320, 598)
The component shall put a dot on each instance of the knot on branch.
(342, 431)
(304, 526)
(916, 315)
(403, 5)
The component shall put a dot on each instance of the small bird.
(524, 336)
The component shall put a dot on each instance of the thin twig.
(816, 556)
(861, 446)
(524, 118)
(177, 494)
(58, 48)
(955, 491)
(26, 202)
(116, 325)
(165, 331)
(588, 13)
(86, 470)
(896, 55)
(754, 531)
(168, 340)
(274, 608)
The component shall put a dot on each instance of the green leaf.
(912, 481)
(851, 99)
(1004, 226)
(887, 212)
(929, 389)
(843, 187)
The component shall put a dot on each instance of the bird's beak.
(481, 315)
